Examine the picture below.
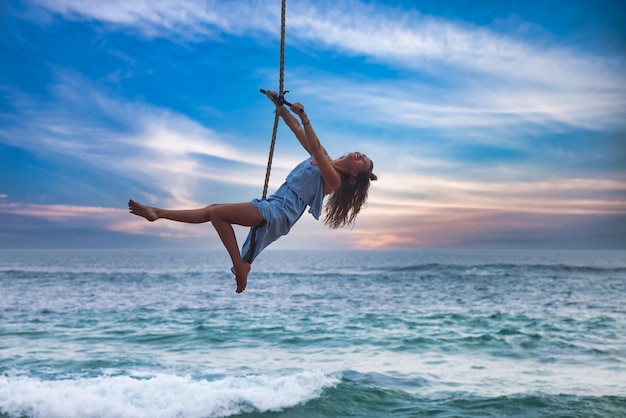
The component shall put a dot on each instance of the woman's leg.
(222, 216)
(192, 216)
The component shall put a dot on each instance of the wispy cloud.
(491, 78)
(134, 140)
(419, 41)
(110, 219)
(185, 19)
(403, 195)
(57, 212)
(477, 110)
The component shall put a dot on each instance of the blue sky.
(491, 124)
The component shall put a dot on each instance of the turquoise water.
(316, 334)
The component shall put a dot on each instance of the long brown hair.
(345, 203)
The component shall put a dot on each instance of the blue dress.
(303, 187)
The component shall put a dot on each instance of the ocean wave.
(159, 395)
(495, 268)
(373, 395)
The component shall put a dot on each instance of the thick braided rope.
(280, 93)
(248, 256)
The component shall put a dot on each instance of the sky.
(491, 124)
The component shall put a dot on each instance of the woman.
(345, 179)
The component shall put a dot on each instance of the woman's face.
(358, 162)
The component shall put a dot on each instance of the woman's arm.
(291, 121)
(331, 177)
(295, 127)
(308, 138)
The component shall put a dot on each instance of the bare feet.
(241, 276)
(141, 210)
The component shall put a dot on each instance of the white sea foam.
(157, 396)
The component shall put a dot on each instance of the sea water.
(316, 334)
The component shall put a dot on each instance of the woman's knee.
(243, 214)
(210, 212)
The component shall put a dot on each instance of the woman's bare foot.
(141, 210)
(241, 276)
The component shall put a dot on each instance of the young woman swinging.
(345, 179)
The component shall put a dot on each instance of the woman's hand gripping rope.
(280, 100)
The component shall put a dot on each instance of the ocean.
(154, 333)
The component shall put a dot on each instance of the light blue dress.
(303, 187)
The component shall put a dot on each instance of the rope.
(248, 256)
(280, 93)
